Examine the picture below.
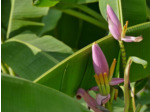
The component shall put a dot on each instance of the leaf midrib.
(119, 5)
(10, 18)
(65, 60)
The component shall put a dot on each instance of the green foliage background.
(46, 51)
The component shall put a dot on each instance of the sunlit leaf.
(24, 14)
(30, 56)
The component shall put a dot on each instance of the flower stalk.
(119, 33)
(133, 99)
(123, 54)
(126, 86)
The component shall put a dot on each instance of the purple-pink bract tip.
(114, 23)
(99, 61)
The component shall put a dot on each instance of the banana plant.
(75, 55)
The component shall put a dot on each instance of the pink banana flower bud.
(116, 30)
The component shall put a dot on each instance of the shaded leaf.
(140, 84)
(50, 20)
(77, 33)
(5, 12)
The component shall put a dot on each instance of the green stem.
(109, 106)
(4, 68)
(104, 92)
(133, 100)
(126, 98)
(100, 89)
(85, 18)
(117, 74)
(126, 86)
(123, 54)
(112, 95)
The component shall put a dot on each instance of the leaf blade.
(20, 94)
(83, 57)
(30, 56)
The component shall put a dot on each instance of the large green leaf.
(19, 95)
(77, 70)
(30, 56)
(24, 14)
(50, 3)
(126, 10)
